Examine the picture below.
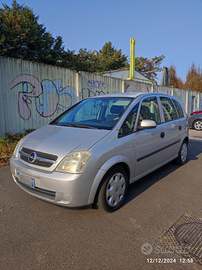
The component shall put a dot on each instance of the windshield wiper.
(83, 126)
(77, 125)
(66, 125)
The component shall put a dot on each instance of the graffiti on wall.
(200, 103)
(49, 96)
(94, 88)
(193, 98)
(96, 84)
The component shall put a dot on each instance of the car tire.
(197, 124)
(113, 189)
(183, 154)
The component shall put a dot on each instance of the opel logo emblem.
(32, 157)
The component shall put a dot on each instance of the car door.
(182, 119)
(149, 143)
(174, 127)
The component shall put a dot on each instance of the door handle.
(162, 135)
(180, 127)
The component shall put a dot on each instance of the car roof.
(132, 94)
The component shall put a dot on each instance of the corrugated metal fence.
(32, 94)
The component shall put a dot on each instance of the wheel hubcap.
(184, 151)
(115, 189)
(198, 125)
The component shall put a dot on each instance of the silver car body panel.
(141, 152)
(68, 189)
(60, 141)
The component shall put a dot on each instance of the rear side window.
(169, 110)
(179, 109)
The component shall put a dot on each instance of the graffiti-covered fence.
(32, 94)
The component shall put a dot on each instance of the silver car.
(91, 153)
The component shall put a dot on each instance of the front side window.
(100, 113)
(150, 110)
(129, 122)
(168, 109)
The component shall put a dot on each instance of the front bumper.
(71, 190)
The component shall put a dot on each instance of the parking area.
(39, 235)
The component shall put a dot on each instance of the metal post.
(132, 58)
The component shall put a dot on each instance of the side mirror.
(147, 124)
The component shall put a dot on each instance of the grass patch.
(8, 144)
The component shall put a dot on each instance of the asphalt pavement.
(38, 235)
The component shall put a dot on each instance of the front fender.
(102, 171)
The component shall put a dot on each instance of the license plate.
(26, 179)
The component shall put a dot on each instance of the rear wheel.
(183, 154)
(198, 125)
(113, 189)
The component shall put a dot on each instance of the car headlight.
(74, 162)
(16, 150)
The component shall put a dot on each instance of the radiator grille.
(40, 158)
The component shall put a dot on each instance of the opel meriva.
(90, 153)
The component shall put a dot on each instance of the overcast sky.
(169, 27)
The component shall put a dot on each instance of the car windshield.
(99, 113)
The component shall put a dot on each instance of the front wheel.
(183, 154)
(198, 125)
(113, 189)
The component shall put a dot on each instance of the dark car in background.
(197, 112)
(195, 120)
